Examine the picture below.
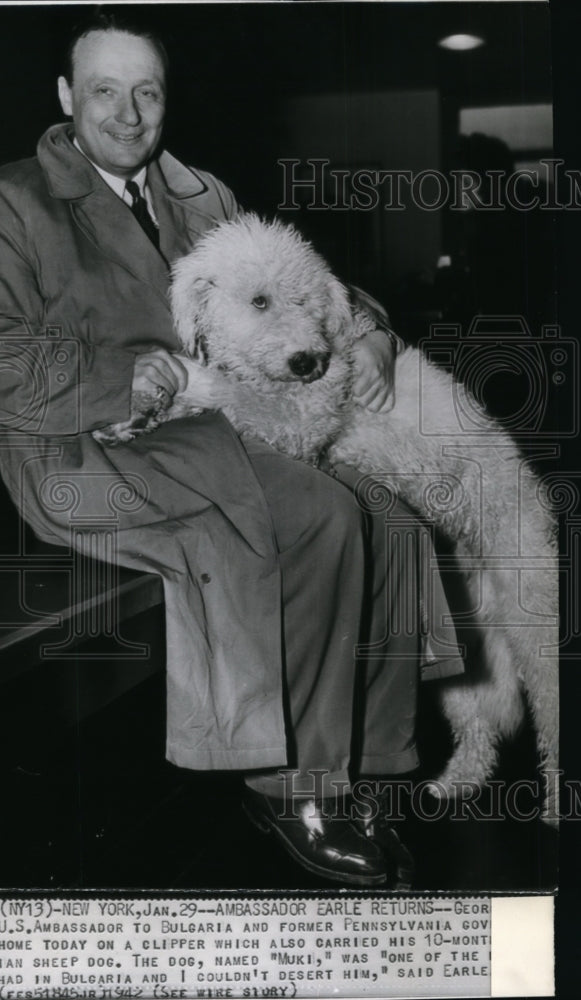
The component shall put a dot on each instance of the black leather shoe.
(381, 831)
(332, 848)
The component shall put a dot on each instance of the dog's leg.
(486, 706)
(472, 711)
(147, 412)
(535, 643)
(541, 683)
(475, 751)
(538, 669)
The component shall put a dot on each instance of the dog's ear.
(339, 318)
(189, 295)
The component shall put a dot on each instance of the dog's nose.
(304, 364)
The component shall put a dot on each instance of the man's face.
(117, 100)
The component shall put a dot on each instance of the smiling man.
(118, 116)
(271, 572)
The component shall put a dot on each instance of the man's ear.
(65, 96)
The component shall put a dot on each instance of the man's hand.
(159, 369)
(374, 357)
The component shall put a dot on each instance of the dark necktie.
(141, 213)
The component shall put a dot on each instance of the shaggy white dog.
(265, 321)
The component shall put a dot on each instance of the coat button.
(206, 578)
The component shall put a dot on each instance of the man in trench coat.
(262, 559)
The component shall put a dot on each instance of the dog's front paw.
(148, 411)
(114, 434)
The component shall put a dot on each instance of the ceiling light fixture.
(461, 43)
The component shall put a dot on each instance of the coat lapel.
(177, 193)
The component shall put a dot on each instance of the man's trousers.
(354, 587)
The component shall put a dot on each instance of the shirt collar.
(117, 184)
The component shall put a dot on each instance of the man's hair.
(111, 21)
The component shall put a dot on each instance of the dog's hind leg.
(475, 747)
(544, 702)
(535, 651)
(539, 674)
(482, 708)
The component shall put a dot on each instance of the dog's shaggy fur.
(261, 313)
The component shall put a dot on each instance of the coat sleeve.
(50, 383)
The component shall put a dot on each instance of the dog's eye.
(260, 302)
